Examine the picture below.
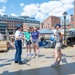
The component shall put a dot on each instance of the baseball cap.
(19, 25)
(57, 25)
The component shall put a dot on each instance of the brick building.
(11, 23)
(30, 22)
(30, 25)
(50, 22)
(68, 25)
(73, 18)
(3, 27)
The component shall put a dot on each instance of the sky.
(40, 9)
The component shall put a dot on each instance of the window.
(72, 19)
(72, 25)
(47, 23)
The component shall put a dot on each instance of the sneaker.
(33, 56)
(27, 55)
(55, 64)
(15, 61)
(21, 63)
(37, 56)
(58, 62)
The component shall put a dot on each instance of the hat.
(19, 25)
(57, 25)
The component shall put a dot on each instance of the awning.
(72, 29)
(46, 31)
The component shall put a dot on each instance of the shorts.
(58, 46)
(35, 41)
(28, 42)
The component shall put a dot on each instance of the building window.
(48, 23)
(72, 25)
(72, 19)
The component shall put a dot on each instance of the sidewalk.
(39, 66)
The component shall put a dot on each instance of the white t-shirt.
(17, 34)
(57, 35)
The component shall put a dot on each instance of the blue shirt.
(35, 35)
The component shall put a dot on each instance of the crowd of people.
(28, 38)
(32, 38)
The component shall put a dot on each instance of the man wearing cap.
(18, 44)
(58, 35)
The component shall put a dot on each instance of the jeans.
(18, 46)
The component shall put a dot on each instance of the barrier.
(3, 46)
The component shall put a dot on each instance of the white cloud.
(2, 10)
(66, 1)
(3, 0)
(30, 10)
(41, 15)
(14, 15)
(21, 4)
(42, 11)
(50, 6)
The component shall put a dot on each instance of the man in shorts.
(58, 35)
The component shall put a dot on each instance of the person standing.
(18, 44)
(12, 43)
(1, 37)
(27, 36)
(58, 39)
(35, 40)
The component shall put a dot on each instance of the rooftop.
(19, 18)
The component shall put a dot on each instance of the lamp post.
(7, 36)
(42, 25)
(64, 15)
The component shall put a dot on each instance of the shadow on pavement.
(64, 56)
(2, 65)
(41, 55)
(2, 59)
(65, 69)
(49, 57)
(64, 60)
(10, 60)
(26, 61)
